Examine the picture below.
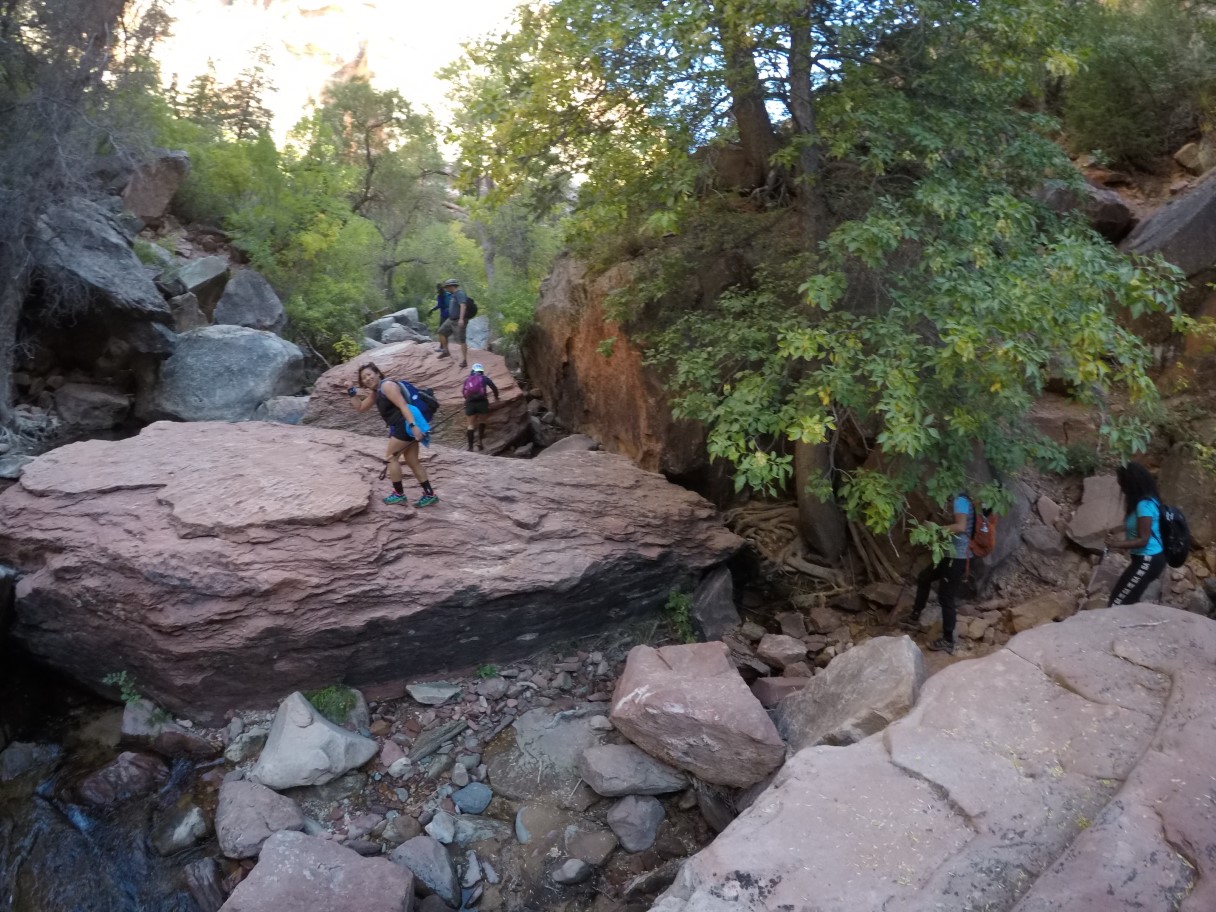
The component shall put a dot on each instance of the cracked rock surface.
(1071, 770)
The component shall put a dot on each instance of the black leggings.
(950, 572)
(1136, 578)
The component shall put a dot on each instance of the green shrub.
(333, 702)
(678, 611)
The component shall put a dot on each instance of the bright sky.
(404, 41)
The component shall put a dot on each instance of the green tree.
(927, 294)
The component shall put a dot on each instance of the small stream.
(57, 854)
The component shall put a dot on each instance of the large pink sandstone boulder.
(688, 706)
(225, 565)
(418, 363)
(1069, 772)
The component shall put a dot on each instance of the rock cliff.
(225, 565)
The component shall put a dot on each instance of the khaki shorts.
(453, 330)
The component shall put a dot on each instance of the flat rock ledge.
(225, 565)
(1071, 770)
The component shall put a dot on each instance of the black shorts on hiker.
(477, 406)
(399, 431)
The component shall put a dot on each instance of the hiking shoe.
(426, 500)
(464, 363)
(481, 447)
(396, 498)
(439, 349)
(444, 354)
(941, 644)
(911, 623)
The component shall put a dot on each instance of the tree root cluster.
(772, 528)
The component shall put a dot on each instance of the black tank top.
(389, 412)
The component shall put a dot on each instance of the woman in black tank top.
(406, 431)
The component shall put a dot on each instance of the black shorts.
(478, 406)
(399, 431)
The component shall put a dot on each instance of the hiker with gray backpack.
(1154, 534)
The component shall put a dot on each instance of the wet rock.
(145, 726)
(431, 865)
(247, 815)
(614, 770)
(433, 694)
(305, 748)
(473, 798)
(248, 300)
(860, 693)
(571, 871)
(304, 872)
(1089, 739)
(128, 776)
(688, 706)
(178, 829)
(635, 821)
(189, 517)
(23, 758)
(544, 759)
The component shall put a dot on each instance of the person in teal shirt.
(949, 570)
(1141, 534)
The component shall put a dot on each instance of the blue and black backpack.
(422, 399)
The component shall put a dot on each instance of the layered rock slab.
(418, 363)
(1068, 771)
(224, 565)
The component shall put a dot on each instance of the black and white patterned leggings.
(1135, 579)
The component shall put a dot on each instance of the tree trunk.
(484, 186)
(810, 156)
(756, 133)
(12, 296)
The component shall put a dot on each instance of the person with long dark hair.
(1142, 534)
(408, 431)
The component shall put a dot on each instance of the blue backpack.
(422, 399)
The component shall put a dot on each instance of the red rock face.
(418, 363)
(225, 565)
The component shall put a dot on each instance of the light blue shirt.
(1132, 527)
(962, 540)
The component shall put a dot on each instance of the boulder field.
(418, 363)
(225, 565)
(1070, 770)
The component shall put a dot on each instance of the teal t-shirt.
(961, 503)
(1150, 509)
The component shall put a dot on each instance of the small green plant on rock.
(128, 690)
(333, 702)
(606, 347)
(679, 614)
(486, 671)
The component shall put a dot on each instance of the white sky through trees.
(402, 44)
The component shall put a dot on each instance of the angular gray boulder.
(614, 770)
(1101, 511)
(152, 186)
(248, 814)
(89, 407)
(298, 872)
(861, 692)
(635, 821)
(81, 243)
(713, 603)
(305, 748)
(222, 373)
(205, 278)
(430, 863)
(1183, 232)
(249, 300)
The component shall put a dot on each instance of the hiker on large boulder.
(408, 431)
(476, 390)
(1142, 534)
(456, 309)
(949, 570)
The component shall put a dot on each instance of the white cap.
(478, 369)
